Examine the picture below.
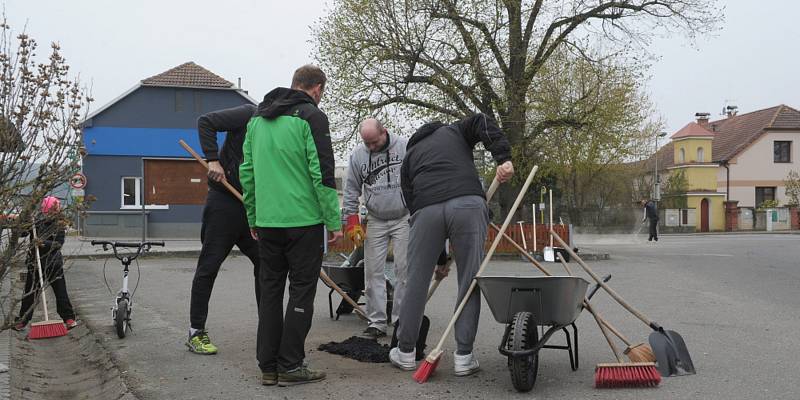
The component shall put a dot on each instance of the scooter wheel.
(121, 318)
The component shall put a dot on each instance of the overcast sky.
(752, 62)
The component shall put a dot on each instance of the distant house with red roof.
(743, 158)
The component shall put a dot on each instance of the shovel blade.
(672, 356)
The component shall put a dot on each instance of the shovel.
(672, 356)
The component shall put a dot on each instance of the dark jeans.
(224, 225)
(295, 253)
(653, 230)
(53, 271)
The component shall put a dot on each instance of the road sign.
(78, 181)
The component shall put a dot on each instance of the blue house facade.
(134, 159)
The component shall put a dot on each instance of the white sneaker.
(404, 361)
(465, 365)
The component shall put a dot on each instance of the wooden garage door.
(174, 182)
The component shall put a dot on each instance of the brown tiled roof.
(733, 134)
(692, 129)
(188, 75)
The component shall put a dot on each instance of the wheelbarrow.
(525, 303)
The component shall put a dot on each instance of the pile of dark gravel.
(359, 349)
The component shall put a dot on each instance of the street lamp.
(656, 177)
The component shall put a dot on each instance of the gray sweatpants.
(379, 232)
(464, 221)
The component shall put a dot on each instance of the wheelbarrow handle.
(596, 287)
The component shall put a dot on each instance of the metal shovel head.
(672, 356)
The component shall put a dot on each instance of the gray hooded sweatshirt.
(378, 174)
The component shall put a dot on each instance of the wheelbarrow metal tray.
(347, 278)
(553, 300)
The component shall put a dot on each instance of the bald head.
(373, 134)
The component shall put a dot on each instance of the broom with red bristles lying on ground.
(46, 328)
(428, 366)
(621, 374)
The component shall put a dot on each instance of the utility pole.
(656, 177)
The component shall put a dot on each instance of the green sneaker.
(299, 376)
(200, 343)
(269, 378)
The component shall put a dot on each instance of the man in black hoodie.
(224, 218)
(446, 200)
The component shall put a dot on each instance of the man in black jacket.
(446, 200)
(651, 213)
(224, 218)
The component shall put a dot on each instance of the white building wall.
(755, 166)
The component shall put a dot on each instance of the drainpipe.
(725, 164)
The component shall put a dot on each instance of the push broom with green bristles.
(430, 363)
(46, 328)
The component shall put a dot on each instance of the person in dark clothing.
(446, 199)
(651, 213)
(50, 231)
(224, 219)
(291, 200)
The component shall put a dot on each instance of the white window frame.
(138, 193)
(682, 156)
(701, 154)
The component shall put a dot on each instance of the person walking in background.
(374, 170)
(442, 190)
(290, 197)
(50, 232)
(650, 212)
(224, 219)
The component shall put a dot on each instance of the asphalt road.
(734, 298)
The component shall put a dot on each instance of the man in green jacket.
(290, 198)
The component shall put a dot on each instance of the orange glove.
(354, 230)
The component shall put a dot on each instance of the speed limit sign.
(78, 181)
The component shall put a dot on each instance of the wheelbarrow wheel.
(522, 336)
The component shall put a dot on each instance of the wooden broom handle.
(325, 278)
(205, 164)
(328, 281)
(486, 259)
(601, 324)
(538, 265)
(602, 284)
(39, 269)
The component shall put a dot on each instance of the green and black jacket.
(287, 174)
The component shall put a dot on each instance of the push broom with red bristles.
(621, 374)
(430, 363)
(46, 328)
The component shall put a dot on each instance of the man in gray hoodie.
(374, 171)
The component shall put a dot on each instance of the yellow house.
(692, 154)
(742, 159)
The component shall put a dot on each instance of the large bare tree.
(445, 59)
(41, 109)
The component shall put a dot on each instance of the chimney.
(731, 111)
(239, 83)
(702, 118)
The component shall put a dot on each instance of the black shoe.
(373, 333)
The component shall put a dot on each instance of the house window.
(682, 156)
(782, 151)
(131, 192)
(763, 194)
(700, 155)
